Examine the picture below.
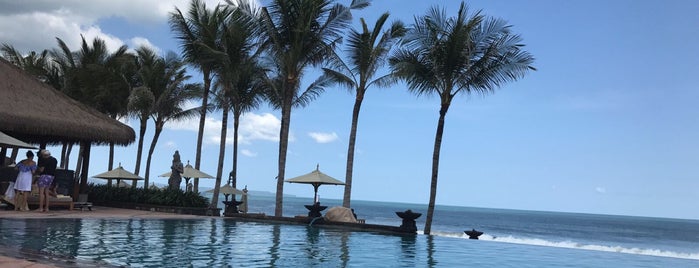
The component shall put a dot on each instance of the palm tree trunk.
(283, 144)
(78, 165)
(110, 165)
(236, 118)
(85, 151)
(14, 154)
(350, 150)
(139, 151)
(111, 156)
(64, 157)
(156, 135)
(202, 120)
(69, 150)
(435, 166)
(221, 156)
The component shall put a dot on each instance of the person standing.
(47, 171)
(23, 184)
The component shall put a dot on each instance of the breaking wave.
(575, 245)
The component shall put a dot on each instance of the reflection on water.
(225, 242)
(274, 249)
(206, 242)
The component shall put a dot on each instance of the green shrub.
(175, 198)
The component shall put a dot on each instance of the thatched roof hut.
(36, 113)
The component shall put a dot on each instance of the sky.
(607, 124)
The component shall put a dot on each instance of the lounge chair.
(57, 201)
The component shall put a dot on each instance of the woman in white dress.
(23, 184)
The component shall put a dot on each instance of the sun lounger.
(58, 201)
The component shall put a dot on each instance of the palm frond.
(313, 91)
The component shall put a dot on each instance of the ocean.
(512, 238)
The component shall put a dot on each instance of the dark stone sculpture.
(176, 172)
(315, 209)
(473, 234)
(231, 207)
(408, 217)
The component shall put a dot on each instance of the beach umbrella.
(189, 172)
(10, 142)
(118, 174)
(315, 178)
(227, 190)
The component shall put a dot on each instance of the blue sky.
(608, 124)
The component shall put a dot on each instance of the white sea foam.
(575, 245)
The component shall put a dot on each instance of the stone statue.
(176, 172)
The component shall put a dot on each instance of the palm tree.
(38, 64)
(238, 72)
(469, 53)
(367, 53)
(96, 77)
(140, 104)
(170, 98)
(151, 74)
(200, 26)
(41, 66)
(299, 34)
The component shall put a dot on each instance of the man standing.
(47, 171)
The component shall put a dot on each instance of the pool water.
(228, 243)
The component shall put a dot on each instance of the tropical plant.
(170, 98)
(237, 70)
(39, 65)
(140, 104)
(106, 195)
(367, 52)
(42, 66)
(200, 26)
(96, 77)
(299, 34)
(447, 56)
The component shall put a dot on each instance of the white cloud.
(33, 25)
(248, 153)
(170, 145)
(320, 137)
(264, 127)
(600, 190)
(260, 127)
(138, 41)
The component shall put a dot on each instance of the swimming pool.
(224, 242)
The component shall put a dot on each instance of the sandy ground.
(96, 213)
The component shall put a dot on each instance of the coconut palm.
(140, 104)
(96, 77)
(299, 34)
(237, 70)
(152, 73)
(200, 26)
(447, 56)
(170, 99)
(38, 64)
(367, 52)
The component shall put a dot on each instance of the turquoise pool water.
(227, 243)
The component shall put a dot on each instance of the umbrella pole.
(315, 190)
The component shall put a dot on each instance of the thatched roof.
(37, 113)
